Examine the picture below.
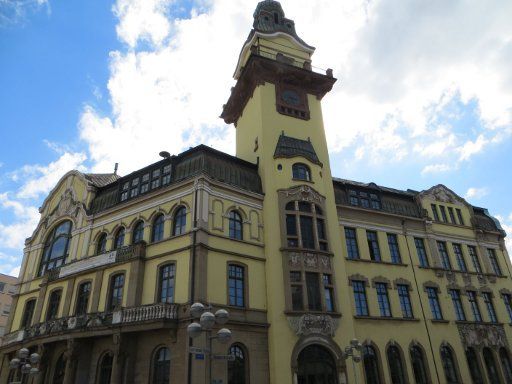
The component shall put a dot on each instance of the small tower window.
(301, 172)
(276, 18)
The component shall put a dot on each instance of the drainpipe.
(193, 279)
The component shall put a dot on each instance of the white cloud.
(41, 179)
(436, 168)
(506, 224)
(476, 193)
(14, 233)
(14, 12)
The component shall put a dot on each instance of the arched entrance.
(316, 366)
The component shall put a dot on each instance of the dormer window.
(301, 172)
(364, 199)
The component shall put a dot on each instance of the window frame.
(351, 243)
(138, 232)
(111, 306)
(473, 254)
(155, 356)
(400, 361)
(473, 304)
(160, 280)
(422, 256)
(158, 228)
(493, 260)
(179, 222)
(421, 356)
(394, 248)
(360, 298)
(489, 304)
(120, 234)
(444, 255)
(50, 241)
(243, 279)
(101, 244)
(53, 306)
(28, 313)
(458, 307)
(434, 303)
(297, 173)
(377, 365)
(235, 225)
(453, 359)
(381, 290)
(78, 303)
(373, 246)
(300, 217)
(245, 358)
(459, 257)
(405, 301)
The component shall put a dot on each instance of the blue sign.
(199, 356)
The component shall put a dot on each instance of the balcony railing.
(122, 254)
(124, 316)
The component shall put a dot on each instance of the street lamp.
(351, 351)
(25, 363)
(206, 322)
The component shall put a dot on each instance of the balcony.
(95, 321)
(120, 255)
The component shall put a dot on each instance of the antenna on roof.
(165, 154)
(115, 168)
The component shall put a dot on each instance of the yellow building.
(304, 262)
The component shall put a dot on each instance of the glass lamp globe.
(34, 358)
(224, 335)
(194, 330)
(221, 316)
(196, 310)
(33, 371)
(23, 353)
(207, 320)
(25, 368)
(14, 364)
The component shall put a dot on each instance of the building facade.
(7, 290)
(304, 262)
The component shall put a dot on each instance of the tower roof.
(269, 18)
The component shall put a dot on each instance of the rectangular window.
(351, 241)
(320, 230)
(360, 298)
(296, 290)
(443, 253)
(26, 321)
(383, 299)
(457, 249)
(434, 211)
(494, 261)
(53, 305)
(328, 293)
(490, 307)
(2, 286)
(313, 290)
(166, 286)
(433, 300)
(473, 302)
(6, 310)
(443, 213)
(459, 215)
(291, 231)
(116, 292)
(375, 201)
(405, 301)
(507, 300)
(420, 249)
(236, 285)
(474, 258)
(452, 216)
(373, 245)
(393, 249)
(457, 305)
(306, 230)
(84, 291)
(166, 178)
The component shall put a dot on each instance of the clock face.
(290, 97)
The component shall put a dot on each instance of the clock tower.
(276, 109)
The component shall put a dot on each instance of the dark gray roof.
(372, 185)
(101, 179)
(291, 147)
(201, 159)
(264, 20)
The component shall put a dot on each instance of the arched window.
(506, 365)
(490, 365)
(119, 239)
(474, 366)
(308, 218)
(138, 232)
(166, 286)
(116, 291)
(102, 244)
(316, 365)
(419, 366)
(371, 365)
(56, 247)
(301, 172)
(237, 371)
(59, 370)
(53, 304)
(158, 228)
(180, 221)
(449, 367)
(30, 306)
(105, 369)
(82, 300)
(161, 366)
(396, 365)
(235, 225)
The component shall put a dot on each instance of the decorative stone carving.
(450, 276)
(402, 281)
(304, 193)
(309, 324)
(481, 279)
(325, 261)
(357, 277)
(67, 207)
(309, 260)
(380, 279)
(482, 335)
(443, 194)
(466, 278)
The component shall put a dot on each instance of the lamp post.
(351, 351)
(25, 362)
(206, 322)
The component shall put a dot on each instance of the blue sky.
(424, 93)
